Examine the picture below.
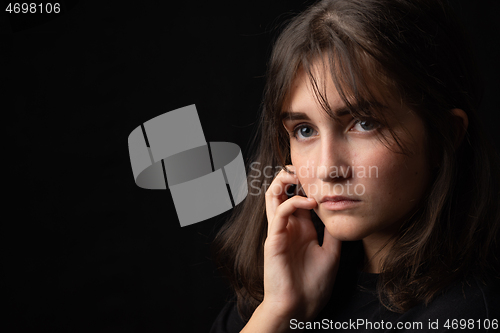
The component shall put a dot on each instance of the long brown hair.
(416, 52)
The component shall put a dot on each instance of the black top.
(472, 306)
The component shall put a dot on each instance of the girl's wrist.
(268, 318)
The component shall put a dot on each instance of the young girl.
(370, 117)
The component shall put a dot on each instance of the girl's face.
(364, 187)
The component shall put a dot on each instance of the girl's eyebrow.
(339, 112)
(290, 115)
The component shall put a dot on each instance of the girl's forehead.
(361, 97)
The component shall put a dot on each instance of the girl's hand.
(298, 273)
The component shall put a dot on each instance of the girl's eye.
(303, 132)
(365, 125)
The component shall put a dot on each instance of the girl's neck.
(375, 250)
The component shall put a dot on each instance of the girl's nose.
(334, 161)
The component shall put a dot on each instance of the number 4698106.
(33, 8)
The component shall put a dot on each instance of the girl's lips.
(339, 203)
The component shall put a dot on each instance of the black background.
(84, 248)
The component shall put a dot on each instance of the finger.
(306, 214)
(305, 225)
(289, 168)
(276, 193)
(286, 209)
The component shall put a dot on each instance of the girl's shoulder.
(471, 304)
(228, 320)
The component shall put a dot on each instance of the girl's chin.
(344, 232)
